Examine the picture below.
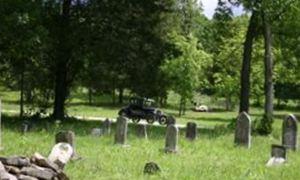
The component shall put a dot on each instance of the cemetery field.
(78, 106)
(211, 156)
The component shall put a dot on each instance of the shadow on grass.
(83, 128)
(277, 116)
(208, 119)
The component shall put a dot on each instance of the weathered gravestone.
(171, 139)
(121, 131)
(151, 168)
(171, 120)
(141, 131)
(191, 131)
(60, 154)
(289, 132)
(278, 155)
(243, 130)
(106, 127)
(25, 127)
(66, 137)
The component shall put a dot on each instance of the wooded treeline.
(49, 47)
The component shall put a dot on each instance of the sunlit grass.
(212, 156)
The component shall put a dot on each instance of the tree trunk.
(63, 57)
(268, 61)
(246, 66)
(61, 92)
(121, 93)
(22, 94)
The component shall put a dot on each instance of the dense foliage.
(147, 48)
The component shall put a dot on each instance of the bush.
(263, 126)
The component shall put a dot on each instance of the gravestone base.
(278, 156)
(170, 151)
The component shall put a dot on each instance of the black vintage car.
(142, 108)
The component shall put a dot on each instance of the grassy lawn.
(103, 107)
(211, 156)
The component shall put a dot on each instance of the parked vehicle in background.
(143, 108)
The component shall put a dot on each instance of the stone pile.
(33, 168)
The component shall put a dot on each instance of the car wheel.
(163, 120)
(150, 120)
(135, 120)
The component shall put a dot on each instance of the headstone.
(278, 155)
(171, 120)
(61, 154)
(142, 130)
(106, 127)
(151, 168)
(121, 131)
(96, 132)
(25, 127)
(171, 139)
(191, 131)
(289, 132)
(66, 137)
(243, 130)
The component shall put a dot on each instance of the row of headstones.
(171, 144)
(278, 152)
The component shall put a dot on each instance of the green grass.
(212, 156)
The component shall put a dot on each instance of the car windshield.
(148, 103)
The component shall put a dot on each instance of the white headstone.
(61, 153)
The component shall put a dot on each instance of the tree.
(184, 71)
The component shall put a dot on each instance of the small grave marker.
(191, 131)
(121, 131)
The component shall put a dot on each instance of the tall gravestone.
(289, 132)
(106, 127)
(141, 131)
(66, 137)
(242, 135)
(191, 131)
(171, 145)
(121, 131)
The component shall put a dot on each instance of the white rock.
(61, 153)
(275, 161)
